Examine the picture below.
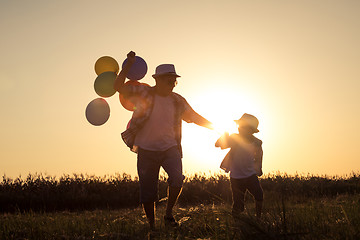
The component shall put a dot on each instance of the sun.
(223, 106)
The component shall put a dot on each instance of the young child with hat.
(244, 162)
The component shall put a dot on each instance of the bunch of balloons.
(98, 110)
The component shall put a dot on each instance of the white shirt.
(242, 164)
(158, 132)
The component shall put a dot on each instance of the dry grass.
(90, 207)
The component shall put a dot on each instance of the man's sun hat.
(248, 120)
(165, 69)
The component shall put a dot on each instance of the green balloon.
(104, 84)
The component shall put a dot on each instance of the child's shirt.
(244, 158)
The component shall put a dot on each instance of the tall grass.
(37, 192)
(77, 192)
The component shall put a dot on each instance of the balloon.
(97, 112)
(104, 84)
(127, 103)
(138, 70)
(106, 64)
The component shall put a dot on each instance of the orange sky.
(293, 64)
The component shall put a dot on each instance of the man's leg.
(148, 170)
(173, 167)
(173, 194)
(149, 209)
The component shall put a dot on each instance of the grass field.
(290, 212)
(337, 218)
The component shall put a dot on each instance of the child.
(244, 161)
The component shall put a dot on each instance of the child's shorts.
(251, 184)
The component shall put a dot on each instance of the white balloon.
(97, 112)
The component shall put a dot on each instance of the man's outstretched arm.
(191, 116)
(120, 79)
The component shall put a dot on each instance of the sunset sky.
(293, 64)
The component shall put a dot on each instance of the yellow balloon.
(106, 64)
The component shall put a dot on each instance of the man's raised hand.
(131, 57)
(120, 79)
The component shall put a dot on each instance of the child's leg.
(238, 194)
(255, 189)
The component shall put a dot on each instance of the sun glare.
(221, 107)
(223, 126)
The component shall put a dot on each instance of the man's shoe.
(170, 221)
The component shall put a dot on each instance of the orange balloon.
(106, 64)
(127, 103)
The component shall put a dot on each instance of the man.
(155, 134)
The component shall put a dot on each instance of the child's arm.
(223, 141)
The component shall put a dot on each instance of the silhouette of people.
(155, 134)
(244, 161)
